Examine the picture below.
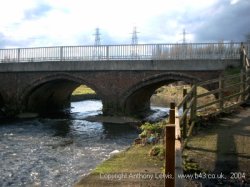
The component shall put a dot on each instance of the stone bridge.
(124, 86)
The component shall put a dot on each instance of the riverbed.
(59, 150)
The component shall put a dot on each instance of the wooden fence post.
(242, 85)
(170, 149)
(184, 123)
(194, 105)
(242, 56)
(247, 83)
(221, 89)
(172, 113)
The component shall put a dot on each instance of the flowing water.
(58, 151)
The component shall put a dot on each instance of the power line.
(184, 34)
(97, 37)
(134, 37)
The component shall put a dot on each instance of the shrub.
(152, 128)
(157, 150)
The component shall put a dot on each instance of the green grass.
(232, 71)
(81, 90)
(167, 94)
(136, 159)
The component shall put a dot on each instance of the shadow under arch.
(1, 104)
(3, 98)
(52, 93)
(137, 99)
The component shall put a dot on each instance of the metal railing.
(124, 52)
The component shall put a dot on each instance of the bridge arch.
(137, 99)
(52, 92)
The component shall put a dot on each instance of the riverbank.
(132, 167)
(220, 145)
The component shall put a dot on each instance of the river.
(59, 150)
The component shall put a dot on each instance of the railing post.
(194, 105)
(61, 53)
(18, 55)
(170, 149)
(107, 52)
(221, 89)
(184, 123)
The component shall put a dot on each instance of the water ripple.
(56, 152)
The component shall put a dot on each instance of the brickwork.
(122, 92)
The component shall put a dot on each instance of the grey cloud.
(222, 21)
(162, 25)
(232, 23)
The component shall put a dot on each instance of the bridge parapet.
(187, 51)
(131, 65)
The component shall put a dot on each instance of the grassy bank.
(83, 93)
(174, 93)
(83, 89)
(220, 145)
(132, 167)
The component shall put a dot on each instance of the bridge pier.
(111, 108)
(130, 109)
(10, 108)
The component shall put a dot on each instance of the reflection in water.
(60, 127)
(116, 130)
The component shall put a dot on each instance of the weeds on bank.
(152, 134)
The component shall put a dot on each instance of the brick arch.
(137, 98)
(48, 88)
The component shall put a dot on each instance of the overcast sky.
(30, 23)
